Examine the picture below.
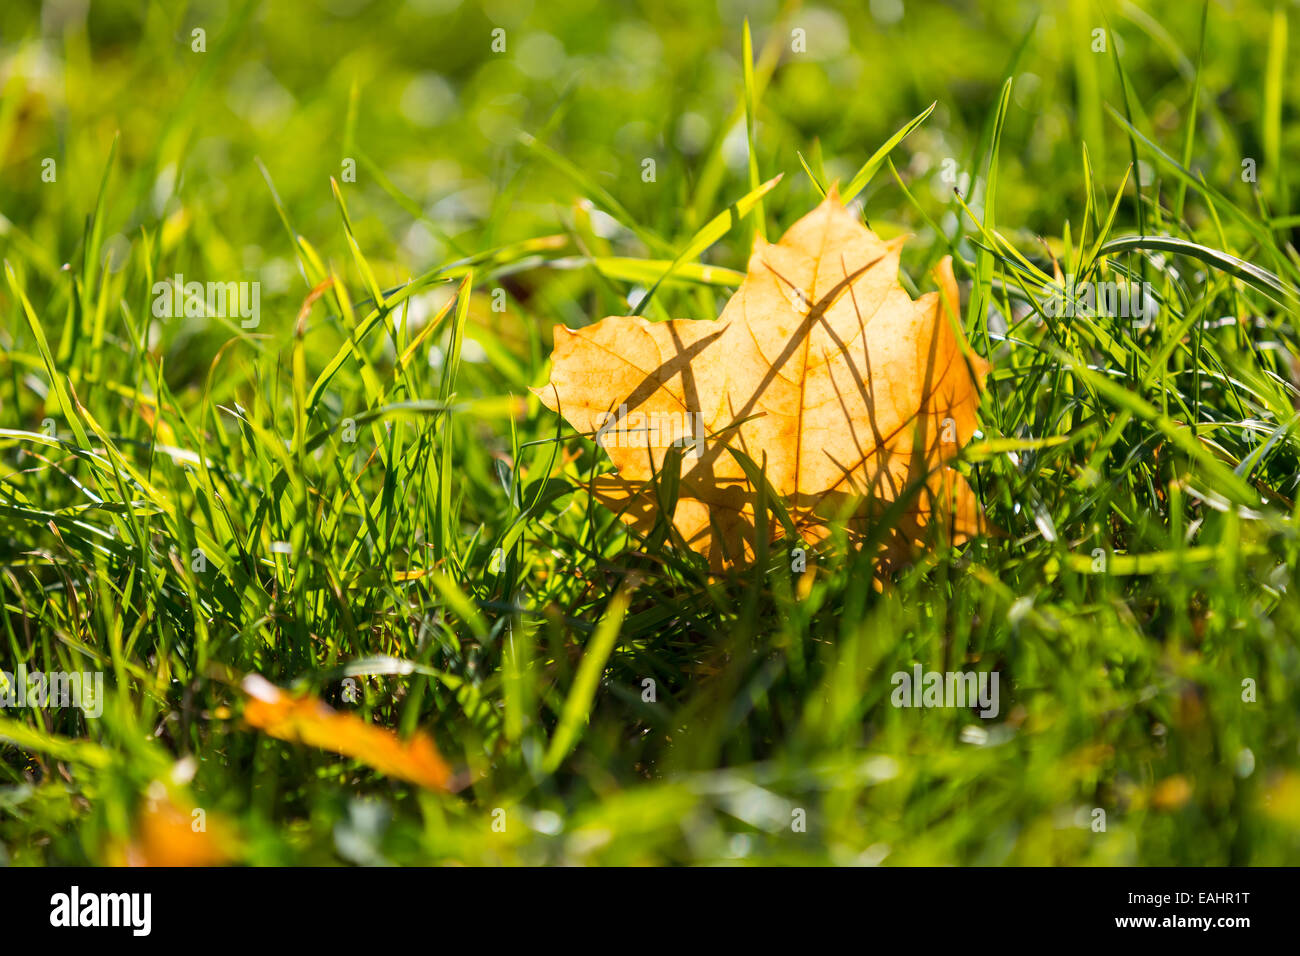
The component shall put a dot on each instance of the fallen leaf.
(168, 833)
(822, 370)
(308, 720)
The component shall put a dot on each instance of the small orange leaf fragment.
(308, 720)
(1171, 793)
(168, 833)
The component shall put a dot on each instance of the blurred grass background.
(1121, 693)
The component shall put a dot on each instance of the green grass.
(1143, 482)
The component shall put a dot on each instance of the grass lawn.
(323, 466)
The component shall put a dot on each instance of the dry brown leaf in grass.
(308, 720)
(821, 368)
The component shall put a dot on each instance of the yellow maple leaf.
(822, 370)
(308, 720)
